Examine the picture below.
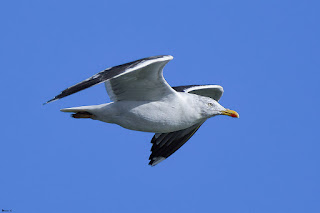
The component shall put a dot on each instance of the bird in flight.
(142, 100)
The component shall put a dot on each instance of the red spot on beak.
(230, 113)
(234, 115)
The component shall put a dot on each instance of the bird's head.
(211, 107)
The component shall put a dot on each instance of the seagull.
(142, 100)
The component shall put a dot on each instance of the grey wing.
(165, 144)
(212, 91)
(142, 82)
(141, 79)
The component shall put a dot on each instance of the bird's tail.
(80, 112)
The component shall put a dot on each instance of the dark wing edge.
(212, 91)
(101, 77)
(165, 144)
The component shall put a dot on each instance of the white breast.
(167, 115)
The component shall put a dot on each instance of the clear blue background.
(264, 53)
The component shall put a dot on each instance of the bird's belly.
(159, 117)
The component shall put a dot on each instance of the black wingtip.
(53, 99)
(156, 160)
(151, 161)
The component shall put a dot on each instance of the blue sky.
(264, 53)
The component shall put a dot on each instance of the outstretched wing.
(137, 80)
(165, 144)
(212, 91)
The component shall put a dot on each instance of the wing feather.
(165, 144)
(125, 76)
(212, 91)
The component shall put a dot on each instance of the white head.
(210, 107)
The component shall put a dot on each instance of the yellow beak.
(230, 112)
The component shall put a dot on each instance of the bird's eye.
(210, 104)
